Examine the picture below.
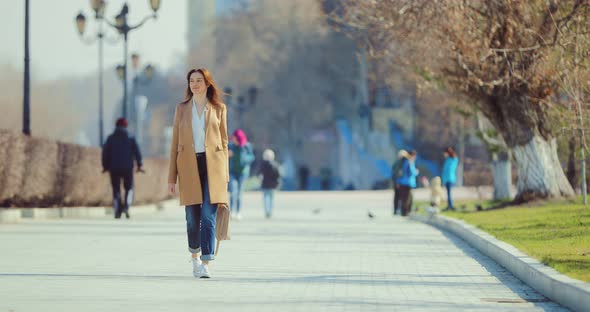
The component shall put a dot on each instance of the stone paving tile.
(336, 259)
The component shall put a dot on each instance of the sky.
(57, 51)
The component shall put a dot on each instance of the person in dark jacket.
(271, 176)
(118, 154)
(303, 176)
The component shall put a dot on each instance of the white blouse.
(199, 128)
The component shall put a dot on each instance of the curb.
(571, 293)
(16, 215)
(10, 215)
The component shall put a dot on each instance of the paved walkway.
(321, 252)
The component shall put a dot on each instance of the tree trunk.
(571, 174)
(539, 172)
(461, 152)
(526, 129)
(501, 163)
(502, 171)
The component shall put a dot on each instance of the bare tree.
(305, 73)
(498, 53)
(574, 63)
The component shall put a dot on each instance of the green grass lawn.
(555, 233)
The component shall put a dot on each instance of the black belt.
(200, 154)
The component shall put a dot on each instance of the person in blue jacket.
(406, 182)
(449, 174)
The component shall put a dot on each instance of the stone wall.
(39, 172)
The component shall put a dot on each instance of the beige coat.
(183, 163)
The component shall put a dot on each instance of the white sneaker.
(196, 266)
(204, 271)
(238, 216)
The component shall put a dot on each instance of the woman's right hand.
(172, 188)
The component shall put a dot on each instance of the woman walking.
(449, 174)
(199, 159)
(241, 157)
(271, 175)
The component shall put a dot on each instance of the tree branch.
(535, 47)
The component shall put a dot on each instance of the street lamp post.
(123, 27)
(139, 78)
(244, 102)
(27, 79)
(120, 70)
(241, 109)
(98, 6)
(227, 92)
(364, 112)
(252, 94)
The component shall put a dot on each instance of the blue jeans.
(268, 196)
(236, 185)
(449, 186)
(200, 219)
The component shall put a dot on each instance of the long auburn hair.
(213, 92)
(451, 152)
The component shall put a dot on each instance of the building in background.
(200, 22)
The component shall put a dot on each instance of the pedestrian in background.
(198, 158)
(303, 173)
(406, 182)
(414, 160)
(436, 192)
(241, 157)
(271, 176)
(449, 174)
(118, 154)
(396, 173)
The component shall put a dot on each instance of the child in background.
(424, 181)
(271, 176)
(436, 193)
